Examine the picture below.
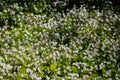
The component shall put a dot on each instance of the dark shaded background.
(89, 4)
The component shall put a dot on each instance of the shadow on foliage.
(68, 4)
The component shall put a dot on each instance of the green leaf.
(74, 69)
(23, 70)
(53, 66)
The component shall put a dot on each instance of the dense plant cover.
(43, 44)
(61, 5)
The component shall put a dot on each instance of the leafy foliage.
(40, 43)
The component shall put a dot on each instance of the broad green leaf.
(53, 66)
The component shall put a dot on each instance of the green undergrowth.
(78, 45)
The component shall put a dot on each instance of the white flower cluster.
(79, 45)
